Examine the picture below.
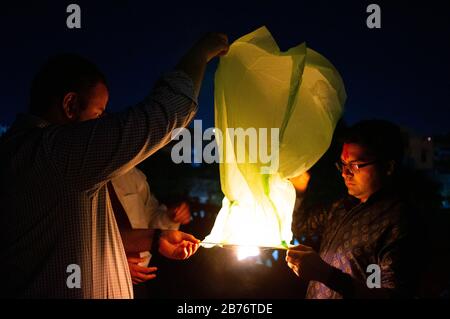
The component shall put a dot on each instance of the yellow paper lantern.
(297, 93)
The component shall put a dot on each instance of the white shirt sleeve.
(142, 207)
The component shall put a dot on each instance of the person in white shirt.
(145, 211)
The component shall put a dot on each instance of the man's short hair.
(60, 75)
(383, 139)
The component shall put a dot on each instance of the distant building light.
(203, 199)
(429, 139)
(275, 254)
(3, 129)
(446, 204)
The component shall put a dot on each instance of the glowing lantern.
(299, 94)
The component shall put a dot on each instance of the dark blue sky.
(400, 72)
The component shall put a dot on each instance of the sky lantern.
(277, 112)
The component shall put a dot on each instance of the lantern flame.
(244, 252)
(250, 224)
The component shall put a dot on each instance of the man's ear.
(390, 167)
(70, 105)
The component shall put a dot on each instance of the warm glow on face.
(247, 251)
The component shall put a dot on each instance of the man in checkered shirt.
(55, 164)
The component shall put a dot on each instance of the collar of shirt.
(351, 202)
(26, 121)
(30, 120)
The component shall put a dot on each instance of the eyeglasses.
(352, 168)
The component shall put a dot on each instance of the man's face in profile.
(96, 102)
(364, 178)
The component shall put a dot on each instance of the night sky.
(400, 72)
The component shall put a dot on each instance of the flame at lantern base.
(250, 224)
(244, 252)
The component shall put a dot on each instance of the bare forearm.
(195, 61)
(194, 65)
